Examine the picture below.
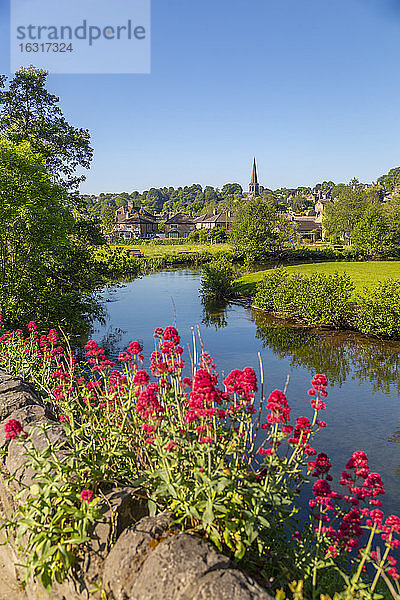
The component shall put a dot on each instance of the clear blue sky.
(310, 87)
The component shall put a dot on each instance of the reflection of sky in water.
(363, 407)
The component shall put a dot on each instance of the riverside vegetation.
(316, 298)
(328, 300)
(231, 468)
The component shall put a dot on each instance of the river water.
(363, 404)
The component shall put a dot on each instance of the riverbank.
(364, 297)
(362, 274)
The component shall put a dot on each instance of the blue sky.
(310, 87)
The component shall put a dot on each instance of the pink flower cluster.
(95, 357)
(278, 405)
(12, 429)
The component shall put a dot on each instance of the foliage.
(216, 279)
(361, 219)
(190, 199)
(107, 217)
(45, 266)
(391, 181)
(216, 234)
(365, 273)
(228, 470)
(52, 521)
(318, 298)
(378, 309)
(257, 229)
(30, 113)
(341, 217)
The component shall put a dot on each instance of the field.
(361, 273)
(161, 250)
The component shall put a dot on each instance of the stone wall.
(148, 561)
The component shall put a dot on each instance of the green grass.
(161, 250)
(361, 273)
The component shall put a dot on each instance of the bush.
(378, 309)
(216, 279)
(318, 298)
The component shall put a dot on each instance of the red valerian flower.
(12, 429)
(141, 378)
(134, 348)
(86, 495)
(170, 333)
(320, 466)
(280, 410)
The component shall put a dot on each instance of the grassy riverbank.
(163, 250)
(362, 274)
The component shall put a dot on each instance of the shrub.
(216, 280)
(318, 298)
(378, 309)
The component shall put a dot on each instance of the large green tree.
(29, 112)
(257, 228)
(45, 266)
(344, 215)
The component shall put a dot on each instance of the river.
(363, 404)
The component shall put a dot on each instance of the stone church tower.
(254, 189)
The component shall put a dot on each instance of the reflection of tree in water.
(214, 313)
(338, 354)
(395, 439)
(110, 341)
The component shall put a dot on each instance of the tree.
(257, 228)
(107, 218)
(391, 181)
(342, 216)
(232, 189)
(371, 232)
(30, 113)
(45, 267)
(298, 203)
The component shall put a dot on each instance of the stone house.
(308, 228)
(223, 219)
(179, 226)
(134, 223)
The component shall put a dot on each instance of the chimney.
(214, 211)
(131, 205)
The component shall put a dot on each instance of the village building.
(179, 226)
(222, 219)
(308, 228)
(132, 222)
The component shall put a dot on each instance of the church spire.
(254, 173)
(254, 189)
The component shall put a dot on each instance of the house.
(223, 219)
(308, 228)
(134, 223)
(179, 226)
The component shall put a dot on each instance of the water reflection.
(215, 314)
(338, 354)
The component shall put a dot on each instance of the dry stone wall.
(131, 556)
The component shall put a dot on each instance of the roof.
(307, 224)
(218, 218)
(180, 218)
(133, 216)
